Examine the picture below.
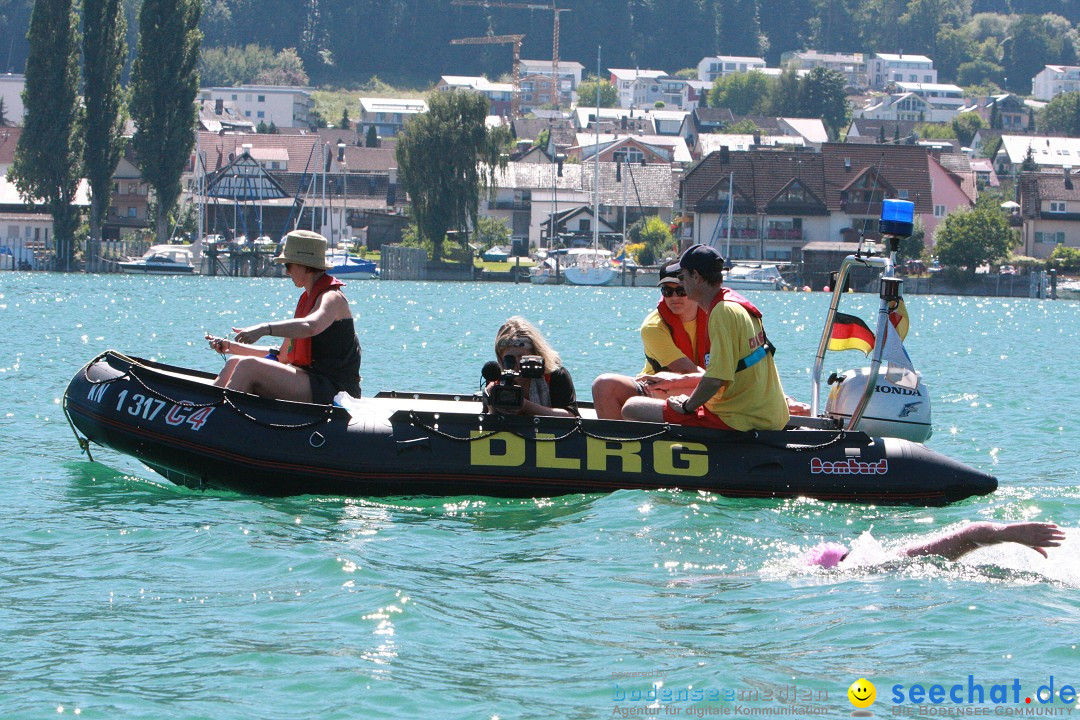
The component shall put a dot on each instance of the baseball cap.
(702, 258)
(669, 275)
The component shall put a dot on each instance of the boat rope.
(578, 428)
(840, 437)
(277, 426)
(224, 401)
(84, 443)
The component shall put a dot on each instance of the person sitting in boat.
(519, 345)
(740, 388)
(320, 356)
(951, 545)
(675, 337)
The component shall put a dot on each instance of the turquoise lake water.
(123, 596)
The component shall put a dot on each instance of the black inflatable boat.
(176, 422)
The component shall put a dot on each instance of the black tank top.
(335, 354)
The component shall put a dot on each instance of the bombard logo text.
(851, 466)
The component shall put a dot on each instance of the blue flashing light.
(897, 217)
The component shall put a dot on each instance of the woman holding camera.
(552, 392)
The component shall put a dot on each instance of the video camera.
(507, 395)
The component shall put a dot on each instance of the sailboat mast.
(730, 213)
(596, 163)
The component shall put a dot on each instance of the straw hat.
(304, 247)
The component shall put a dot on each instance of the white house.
(1048, 153)
(626, 82)
(1053, 80)
(11, 87)
(945, 99)
(388, 115)
(711, 68)
(918, 102)
(278, 104)
(884, 69)
(851, 65)
(498, 94)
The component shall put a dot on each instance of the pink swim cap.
(826, 555)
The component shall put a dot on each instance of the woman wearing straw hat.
(320, 355)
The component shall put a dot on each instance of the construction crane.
(555, 83)
(501, 40)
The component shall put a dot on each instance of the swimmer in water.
(954, 545)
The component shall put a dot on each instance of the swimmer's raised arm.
(956, 544)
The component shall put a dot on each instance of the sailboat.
(594, 268)
(745, 276)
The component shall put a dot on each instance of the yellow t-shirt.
(658, 344)
(754, 399)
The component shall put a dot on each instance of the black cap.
(669, 275)
(703, 258)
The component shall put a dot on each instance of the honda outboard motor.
(893, 411)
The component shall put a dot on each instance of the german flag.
(898, 316)
(851, 333)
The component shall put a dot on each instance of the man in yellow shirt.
(740, 388)
(675, 337)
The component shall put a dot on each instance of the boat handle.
(316, 440)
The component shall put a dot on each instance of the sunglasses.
(676, 290)
(517, 342)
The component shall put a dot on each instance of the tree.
(3, 114)
(445, 156)
(965, 125)
(1027, 50)
(1028, 164)
(654, 237)
(165, 80)
(1061, 115)
(921, 21)
(588, 89)
(344, 124)
(821, 95)
(1065, 258)
(742, 93)
(979, 72)
(912, 246)
(954, 48)
(372, 137)
(746, 126)
(784, 100)
(491, 231)
(252, 63)
(970, 238)
(48, 158)
(738, 31)
(104, 53)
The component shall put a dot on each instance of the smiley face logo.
(862, 693)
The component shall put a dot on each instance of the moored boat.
(755, 276)
(161, 260)
(589, 266)
(349, 266)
